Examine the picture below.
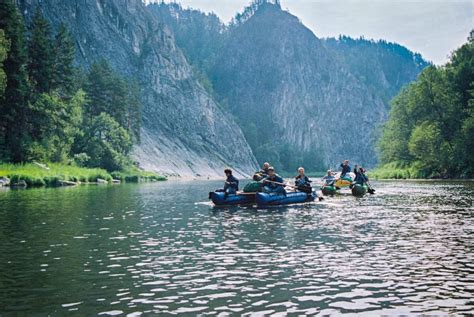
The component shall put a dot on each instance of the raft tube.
(359, 190)
(328, 190)
(345, 181)
(219, 199)
(273, 199)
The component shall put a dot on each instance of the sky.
(433, 28)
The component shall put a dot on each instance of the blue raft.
(219, 199)
(273, 199)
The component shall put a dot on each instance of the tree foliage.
(4, 47)
(45, 113)
(431, 121)
(14, 104)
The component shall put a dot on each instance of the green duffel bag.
(252, 187)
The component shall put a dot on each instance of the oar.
(300, 188)
(371, 190)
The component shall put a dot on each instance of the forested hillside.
(124, 58)
(50, 110)
(383, 66)
(300, 100)
(430, 131)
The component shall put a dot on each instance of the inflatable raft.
(345, 181)
(219, 199)
(328, 190)
(273, 199)
(359, 190)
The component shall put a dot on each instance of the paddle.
(370, 188)
(303, 189)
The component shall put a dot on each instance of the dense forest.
(51, 111)
(430, 132)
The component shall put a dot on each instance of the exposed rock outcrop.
(184, 131)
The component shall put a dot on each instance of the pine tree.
(14, 105)
(41, 54)
(63, 68)
(4, 47)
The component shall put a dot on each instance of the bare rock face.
(311, 99)
(184, 131)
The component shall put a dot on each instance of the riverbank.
(53, 175)
(413, 171)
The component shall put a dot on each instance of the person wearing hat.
(273, 183)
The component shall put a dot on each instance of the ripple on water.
(406, 250)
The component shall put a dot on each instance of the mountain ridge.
(323, 81)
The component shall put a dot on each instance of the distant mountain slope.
(184, 131)
(385, 67)
(298, 99)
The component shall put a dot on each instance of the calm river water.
(162, 248)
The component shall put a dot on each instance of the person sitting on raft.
(231, 185)
(301, 180)
(329, 178)
(360, 177)
(273, 183)
(262, 173)
(345, 168)
(265, 167)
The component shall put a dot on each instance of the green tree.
(109, 93)
(4, 47)
(56, 123)
(41, 54)
(425, 143)
(14, 104)
(106, 143)
(431, 125)
(64, 72)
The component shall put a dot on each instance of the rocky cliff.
(295, 95)
(276, 73)
(184, 132)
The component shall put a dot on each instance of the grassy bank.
(55, 174)
(400, 171)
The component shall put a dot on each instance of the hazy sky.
(433, 28)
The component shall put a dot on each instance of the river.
(162, 248)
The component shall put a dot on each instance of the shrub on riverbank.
(54, 174)
(396, 170)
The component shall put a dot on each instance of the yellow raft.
(344, 181)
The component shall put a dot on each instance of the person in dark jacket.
(301, 179)
(262, 173)
(270, 181)
(231, 185)
(265, 167)
(360, 177)
(345, 168)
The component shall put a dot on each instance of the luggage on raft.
(274, 199)
(345, 181)
(359, 189)
(252, 187)
(219, 199)
(328, 190)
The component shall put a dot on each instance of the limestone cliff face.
(277, 73)
(184, 131)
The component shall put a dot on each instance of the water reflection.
(161, 248)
